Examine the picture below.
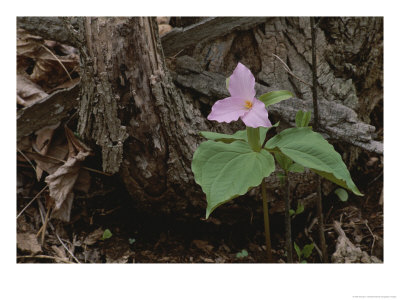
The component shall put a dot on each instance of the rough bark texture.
(146, 129)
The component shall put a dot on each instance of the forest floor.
(140, 237)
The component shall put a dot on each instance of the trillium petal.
(227, 110)
(241, 83)
(257, 116)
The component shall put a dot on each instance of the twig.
(373, 236)
(62, 65)
(317, 128)
(30, 202)
(63, 161)
(286, 67)
(29, 161)
(66, 248)
(47, 257)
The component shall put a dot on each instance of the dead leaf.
(43, 139)
(60, 251)
(163, 29)
(61, 184)
(47, 63)
(28, 92)
(28, 242)
(203, 245)
(93, 237)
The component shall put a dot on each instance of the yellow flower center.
(248, 104)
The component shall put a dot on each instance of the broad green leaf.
(291, 212)
(342, 194)
(239, 135)
(226, 138)
(307, 250)
(225, 171)
(275, 97)
(311, 150)
(296, 168)
(297, 249)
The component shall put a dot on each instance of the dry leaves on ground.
(42, 67)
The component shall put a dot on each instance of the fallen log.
(338, 122)
(48, 111)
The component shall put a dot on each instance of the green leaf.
(296, 168)
(306, 119)
(106, 234)
(307, 250)
(242, 254)
(300, 208)
(311, 150)
(299, 118)
(297, 249)
(302, 118)
(240, 135)
(131, 241)
(303, 261)
(225, 171)
(227, 83)
(275, 97)
(342, 194)
(291, 212)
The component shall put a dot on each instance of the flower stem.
(266, 221)
(253, 136)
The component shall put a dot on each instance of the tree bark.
(147, 131)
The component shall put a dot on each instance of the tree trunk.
(146, 129)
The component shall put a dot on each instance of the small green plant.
(342, 194)
(242, 254)
(299, 210)
(131, 240)
(304, 253)
(303, 118)
(106, 234)
(229, 165)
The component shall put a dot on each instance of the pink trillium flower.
(242, 103)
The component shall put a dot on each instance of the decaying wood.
(174, 41)
(338, 121)
(130, 107)
(347, 252)
(48, 111)
(51, 28)
(180, 38)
